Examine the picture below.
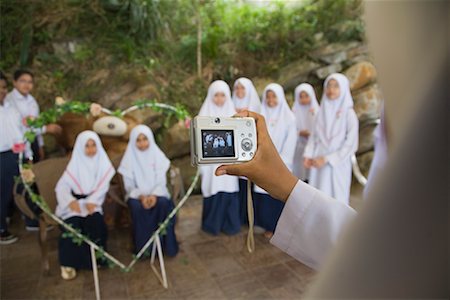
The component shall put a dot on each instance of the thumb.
(235, 169)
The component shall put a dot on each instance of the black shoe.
(7, 238)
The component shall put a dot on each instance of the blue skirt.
(243, 200)
(146, 221)
(9, 168)
(79, 256)
(267, 211)
(221, 214)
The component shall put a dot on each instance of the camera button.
(242, 135)
(246, 144)
(248, 123)
(250, 135)
(243, 154)
(251, 154)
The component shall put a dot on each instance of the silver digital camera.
(219, 140)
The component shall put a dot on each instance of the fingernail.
(221, 172)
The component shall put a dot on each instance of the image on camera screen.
(218, 143)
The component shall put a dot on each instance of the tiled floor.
(206, 267)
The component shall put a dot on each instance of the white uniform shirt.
(27, 106)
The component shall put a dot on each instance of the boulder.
(360, 75)
(187, 172)
(368, 102)
(328, 52)
(176, 141)
(323, 72)
(296, 73)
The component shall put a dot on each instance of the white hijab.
(251, 99)
(305, 114)
(278, 118)
(143, 166)
(331, 121)
(87, 174)
(210, 109)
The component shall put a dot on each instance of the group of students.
(315, 142)
(82, 189)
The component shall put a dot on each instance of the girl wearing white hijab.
(220, 194)
(282, 130)
(143, 169)
(305, 109)
(245, 96)
(80, 193)
(334, 140)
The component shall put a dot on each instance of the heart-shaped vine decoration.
(51, 116)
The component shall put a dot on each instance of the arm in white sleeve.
(309, 149)
(287, 154)
(98, 196)
(130, 187)
(63, 192)
(160, 188)
(350, 144)
(310, 224)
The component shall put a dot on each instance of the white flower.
(59, 101)
(27, 175)
(95, 109)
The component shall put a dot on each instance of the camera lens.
(217, 120)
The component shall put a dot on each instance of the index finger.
(261, 127)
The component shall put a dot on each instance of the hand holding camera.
(265, 168)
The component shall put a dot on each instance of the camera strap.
(251, 219)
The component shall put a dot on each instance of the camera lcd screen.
(218, 143)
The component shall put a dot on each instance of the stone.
(334, 58)
(361, 74)
(187, 172)
(148, 117)
(323, 72)
(260, 83)
(117, 94)
(176, 141)
(333, 48)
(147, 91)
(296, 73)
(368, 102)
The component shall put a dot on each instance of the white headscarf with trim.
(210, 109)
(305, 114)
(278, 118)
(86, 174)
(251, 99)
(144, 167)
(331, 121)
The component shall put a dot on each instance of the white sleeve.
(98, 197)
(130, 187)
(287, 154)
(350, 144)
(160, 188)
(63, 192)
(310, 224)
(309, 149)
